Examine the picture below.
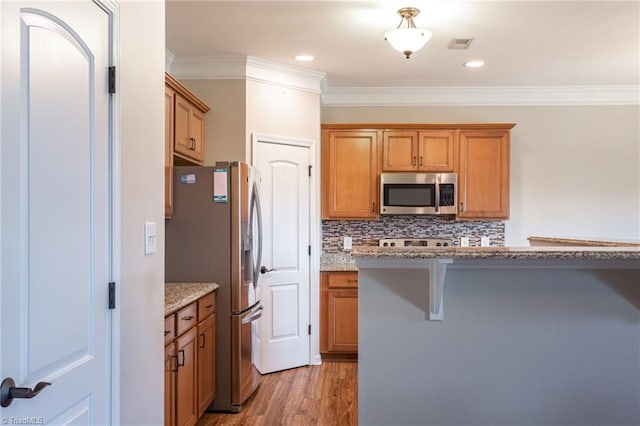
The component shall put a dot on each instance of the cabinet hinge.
(309, 249)
(309, 329)
(112, 80)
(112, 295)
(310, 170)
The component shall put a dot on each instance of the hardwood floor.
(314, 395)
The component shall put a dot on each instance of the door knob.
(264, 269)
(9, 391)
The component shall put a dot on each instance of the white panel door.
(281, 339)
(56, 210)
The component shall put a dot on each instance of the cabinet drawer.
(206, 306)
(343, 280)
(186, 318)
(169, 328)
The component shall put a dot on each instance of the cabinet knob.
(421, 161)
(188, 318)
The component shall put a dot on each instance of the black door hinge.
(112, 80)
(310, 170)
(112, 295)
(309, 329)
(309, 249)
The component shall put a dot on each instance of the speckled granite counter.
(501, 253)
(341, 261)
(593, 242)
(179, 295)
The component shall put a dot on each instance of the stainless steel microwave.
(418, 193)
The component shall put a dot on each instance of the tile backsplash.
(368, 232)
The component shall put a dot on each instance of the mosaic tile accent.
(368, 232)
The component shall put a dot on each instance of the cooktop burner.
(425, 242)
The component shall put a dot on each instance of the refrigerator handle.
(254, 316)
(256, 267)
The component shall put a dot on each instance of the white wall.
(575, 171)
(141, 283)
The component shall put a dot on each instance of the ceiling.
(540, 43)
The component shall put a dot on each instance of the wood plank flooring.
(313, 395)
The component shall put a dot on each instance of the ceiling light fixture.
(304, 58)
(409, 39)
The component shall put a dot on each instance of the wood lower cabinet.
(418, 151)
(187, 379)
(349, 174)
(189, 374)
(338, 313)
(206, 363)
(483, 177)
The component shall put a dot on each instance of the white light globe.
(407, 40)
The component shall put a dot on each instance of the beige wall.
(225, 122)
(279, 111)
(141, 283)
(575, 171)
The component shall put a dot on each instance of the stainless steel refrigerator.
(215, 235)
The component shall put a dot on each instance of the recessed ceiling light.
(474, 64)
(304, 58)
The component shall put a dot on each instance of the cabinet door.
(196, 131)
(342, 320)
(170, 365)
(168, 150)
(483, 179)
(399, 151)
(436, 151)
(183, 143)
(349, 175)
(186, 379)
(206, 363)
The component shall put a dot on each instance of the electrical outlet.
(347, 243)
(484, 241)
(464, 242)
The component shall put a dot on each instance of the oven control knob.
(385, 244)
(438, 244)
(393, 244)
(445, 244)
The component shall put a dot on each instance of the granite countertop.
(532, 253)
(340, 261)
(577, 241)
(179, 295)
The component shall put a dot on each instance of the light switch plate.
(484, 241)
(347, 244)
(150, 238)
(464, 242)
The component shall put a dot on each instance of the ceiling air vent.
(460, 43)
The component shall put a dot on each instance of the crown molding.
(232, 67)
(481, 96)
(168, 60)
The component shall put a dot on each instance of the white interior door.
(281, 337)
(56, 210)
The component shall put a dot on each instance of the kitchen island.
(531, 335)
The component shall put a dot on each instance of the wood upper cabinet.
(349, 174)
(419, 150)
(189, 131)
(169, 96)
(483, 176)
(339, 312)
(188, 124)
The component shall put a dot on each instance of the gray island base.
(527, 336)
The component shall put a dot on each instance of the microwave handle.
(437, 203)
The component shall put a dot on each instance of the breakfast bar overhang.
(535, 335)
